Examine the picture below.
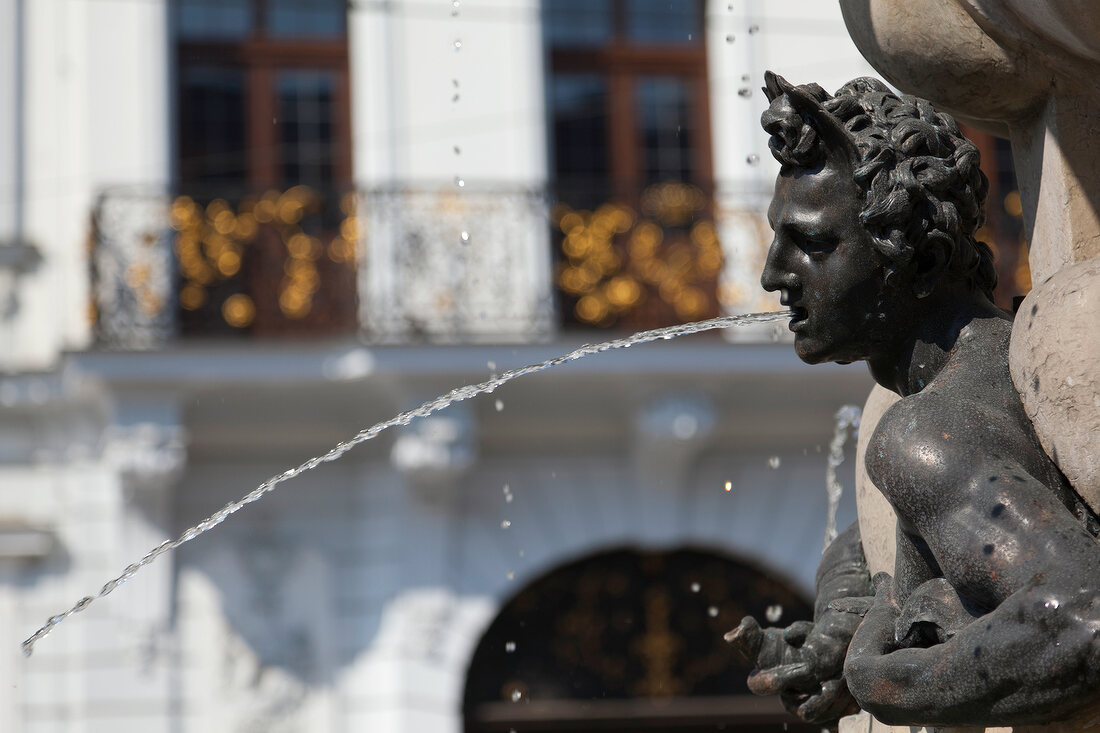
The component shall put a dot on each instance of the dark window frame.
(621, 61)
(261, 57)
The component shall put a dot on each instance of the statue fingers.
(746, 640)
(796, 633)
(785, 677)
(832, 703)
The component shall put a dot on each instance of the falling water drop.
(773, 462)
(464, 236)
(505, 524)
(712, 611)
(454, 7)
(754, 29)
(499, 405)
(511, 575)
(730, 38)
(746, 77)
(508, 498)
(773, 613)
(752, 159)
(744, 92)
(695, 587)
(729, 486)
(458, 150)
(509, 646)
(517, 695)
(457, 45)
(455, 98)
(460, 182)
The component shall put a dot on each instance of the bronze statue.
(992, 615)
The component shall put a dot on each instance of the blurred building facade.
(235, 232)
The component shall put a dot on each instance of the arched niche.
(628, 640)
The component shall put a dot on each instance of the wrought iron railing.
(397, 264)
(648, 261)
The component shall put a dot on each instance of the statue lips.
(799, 314)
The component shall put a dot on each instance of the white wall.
(404, 66)
(97, 94)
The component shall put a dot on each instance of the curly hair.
(919, 175)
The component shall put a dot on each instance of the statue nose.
(774, 277)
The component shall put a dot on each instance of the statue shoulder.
(925, 449)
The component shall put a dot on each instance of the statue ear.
(930, 263)
(839, 146)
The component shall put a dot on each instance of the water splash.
(458, 394)
(847, 421)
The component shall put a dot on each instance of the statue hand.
(875, 637)
(803, 663)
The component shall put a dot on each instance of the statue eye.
(815, 246)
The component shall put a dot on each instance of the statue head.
(877, 201)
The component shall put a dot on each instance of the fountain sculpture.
(990, 614)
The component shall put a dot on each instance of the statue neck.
(920, 355)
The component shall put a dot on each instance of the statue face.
(827, 269)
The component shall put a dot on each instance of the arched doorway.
(628, 640)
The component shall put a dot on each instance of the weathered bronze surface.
(992, 614)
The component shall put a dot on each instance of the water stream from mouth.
(455, 395)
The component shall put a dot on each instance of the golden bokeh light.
(192, 296)
(614, 258)
(238, 310)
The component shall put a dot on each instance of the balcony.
(406, 265)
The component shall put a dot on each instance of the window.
(263, 92)
(266, 228)
(627, 99)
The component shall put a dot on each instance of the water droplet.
(753, 159)
(507, 489)
(508, 498)
(454, 8)
(457, 45)
(729, 486)
(499, 405)
(773, 462)
(689, 36)
(754, 29)
(746, 77)
(695, 587)
(458, 150)
(505, 524)
(517, 695)
(465, 237)
(492, 365)
(773, 613)
(712, 611)
(744, 92)
(455, 97)
(511, 575)
(509, 646)
(730, 38)
(455, 82)
(522, 553)
(460, 182)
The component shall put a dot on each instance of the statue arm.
(1015, 617)
(1030, 660)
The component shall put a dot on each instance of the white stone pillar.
(449, 145)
